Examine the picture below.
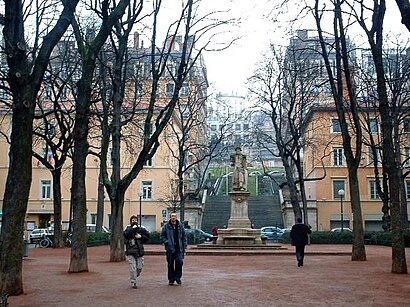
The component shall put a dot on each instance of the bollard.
(25, 248)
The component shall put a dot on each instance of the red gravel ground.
(329, 278)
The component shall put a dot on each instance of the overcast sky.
(229, 69)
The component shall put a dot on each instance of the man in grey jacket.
(135, 235)
(174, 238)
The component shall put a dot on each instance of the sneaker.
(179, 281)
(134, 285)
(171, 283)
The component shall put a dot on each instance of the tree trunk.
(16, 194)
(358, 248)
(24, 79)
(58, 233)
(100, 204)
(117, 239)
(390, 162)
(78, 261)
(294, 199)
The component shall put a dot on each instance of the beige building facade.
(326, 171)
(153, 192)
(153, 181)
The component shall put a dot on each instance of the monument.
(239, 231)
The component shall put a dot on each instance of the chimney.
(136, 40)
(170, 40)
(302, 34)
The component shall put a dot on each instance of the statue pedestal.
(239, 210)
(239, 232)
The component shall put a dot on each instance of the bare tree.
(188, 147)
(284, 86)
(54, 120)
(154, 111)
(26, 68)
(345, 98)
(404, 7)
(89, 47)
(391, 150)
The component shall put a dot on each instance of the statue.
(240, 173)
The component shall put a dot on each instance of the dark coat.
(167, 237)
(299, 234)
(135, 246)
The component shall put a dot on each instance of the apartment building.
(324, 165)
(151, 193)
(326, 172)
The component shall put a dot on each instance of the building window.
(93, 218)
(373, 125)
(146, 190)
(372, 158)
(169, 89)
(338, 184)
(138, 89)
(148, 163)
(137, 71)
(373, 190)
(185, 111)
(336, 126)
(407, 156)
(406, 125)
(151, 129)
(64, 93)
(110, 161)
(338, 156)
(45, 189)
(408, 189)
(47, 155)
(184, 90)
(49, 92)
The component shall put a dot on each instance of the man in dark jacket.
(174, 238)
(299, 236)
(135, 235)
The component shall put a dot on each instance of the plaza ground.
(218, 278)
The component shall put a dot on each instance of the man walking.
(174, 238)
(135, 235)
(299, 236)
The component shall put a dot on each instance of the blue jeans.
(175, 262)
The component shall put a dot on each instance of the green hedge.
(96, 238)
(346, 237)
(154, 237)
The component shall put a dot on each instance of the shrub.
(154, 238)
(96, 238)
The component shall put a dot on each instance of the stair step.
(262, 211)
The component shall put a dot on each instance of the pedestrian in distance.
(299, 235)
(174, 238)
(214, 234)
(135, 236)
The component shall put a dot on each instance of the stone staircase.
(262, 211)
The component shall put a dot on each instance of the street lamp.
(341, 193)
(140, 195)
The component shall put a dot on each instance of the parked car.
(272, 233)
(338, 229)
(38, 234)
(199, 233)
(93, 227)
